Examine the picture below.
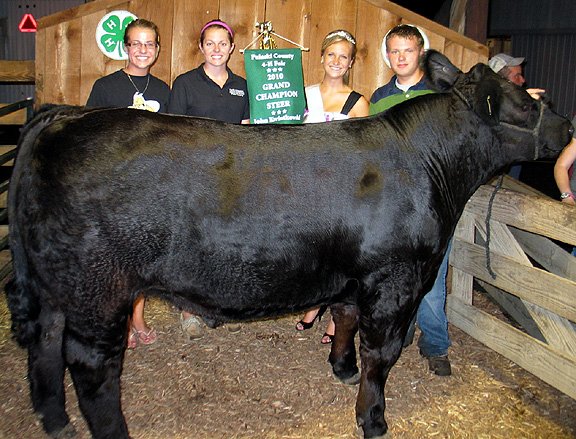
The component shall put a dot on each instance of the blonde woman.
(333, 99)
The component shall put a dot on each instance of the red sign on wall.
(28, 23)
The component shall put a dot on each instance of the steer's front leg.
(382, 330)
(371, 404)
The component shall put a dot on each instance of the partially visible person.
(564, 171)
(135, 87)
(404, 46)
(213, 91)
(333, 99)
(511, 69)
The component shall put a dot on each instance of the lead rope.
(487, 223)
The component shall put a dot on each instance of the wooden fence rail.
(535, 280)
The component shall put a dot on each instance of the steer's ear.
(440, 73)
(487, 97)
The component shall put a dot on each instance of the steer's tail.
(22, 291)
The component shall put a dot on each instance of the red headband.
(217, 23)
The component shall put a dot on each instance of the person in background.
(404, 45)
(134, 87)
(213, 91)
(333, 99)
(511, 68)
(564, 171)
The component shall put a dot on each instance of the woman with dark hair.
(134, 87)
(212, 90)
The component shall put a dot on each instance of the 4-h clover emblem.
(110, 33)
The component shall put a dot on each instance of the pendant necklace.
(138, 100)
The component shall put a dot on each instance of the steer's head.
(527, 128)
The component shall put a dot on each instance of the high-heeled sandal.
(302, 325)
(327, 338)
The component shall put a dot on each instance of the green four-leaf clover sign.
(110, 33)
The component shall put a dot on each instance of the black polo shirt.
(195, 94)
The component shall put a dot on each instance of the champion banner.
(275, 85)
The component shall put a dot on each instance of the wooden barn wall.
(68, 60)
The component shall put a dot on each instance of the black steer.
(247, 222)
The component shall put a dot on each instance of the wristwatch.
(564, 195)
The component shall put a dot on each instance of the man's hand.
(536, 93)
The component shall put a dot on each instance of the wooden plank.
(292, 21)
(515, 308)
(372, 24)
(555, 368)
(163, 18)
(342, 16)
(540, 215)
(92, 65)
(559, 332)
(454, 52)
(242, 15)
(16, 118)
(413, 18)
(554, 329)
(532, 284)
(462, 282)
(17, 71)
(70, 51)
(189, 17)
(51, 82)
(502, 241)
(548, 254)
(79, 12)
(40, 67)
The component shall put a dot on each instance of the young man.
(404, 46)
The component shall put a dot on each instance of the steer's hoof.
(360, 435)
(68, 432)
(352, 380)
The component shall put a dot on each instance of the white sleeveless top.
(316, 111)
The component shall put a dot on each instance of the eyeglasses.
(149, 45)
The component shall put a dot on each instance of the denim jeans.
(431, 316)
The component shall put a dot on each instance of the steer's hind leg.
(343, 351)
(94, 359)
(46, 373)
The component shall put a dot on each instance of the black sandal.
(308, 325)
(330, 338)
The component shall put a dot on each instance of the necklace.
(145, 88)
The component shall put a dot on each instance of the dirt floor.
(270, 381)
